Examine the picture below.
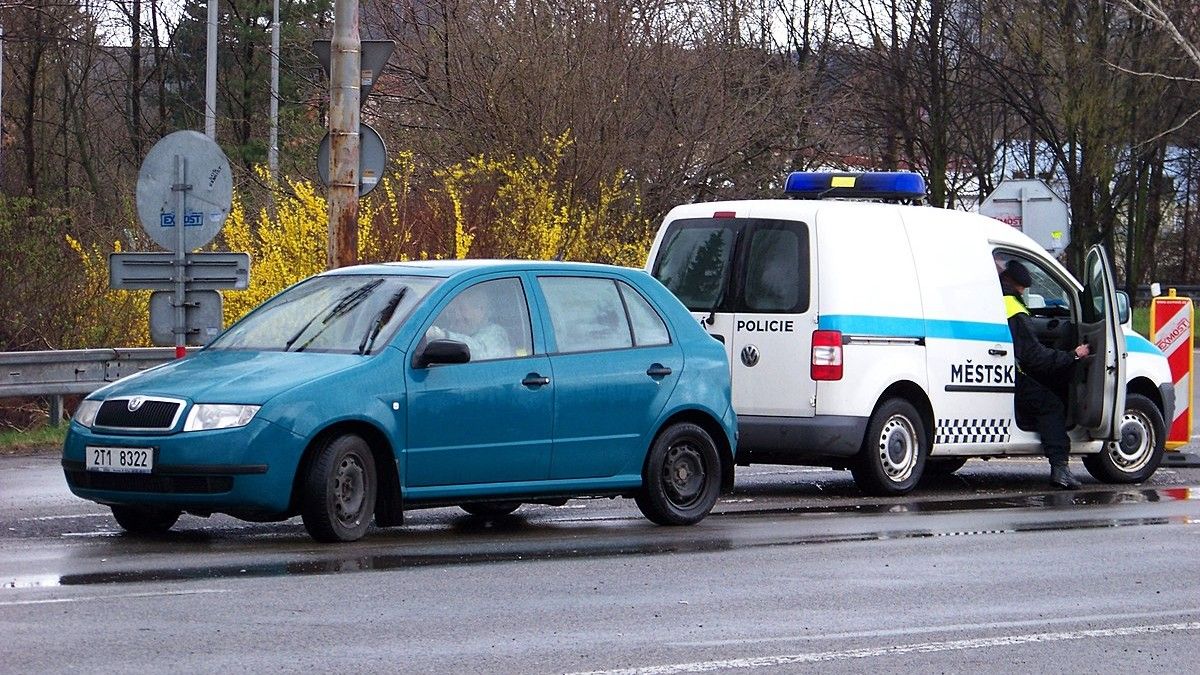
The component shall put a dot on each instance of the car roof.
(449, 268)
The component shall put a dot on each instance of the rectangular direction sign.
(156, 271)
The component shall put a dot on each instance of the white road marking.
(76, 515)
(919, 648)
(89, 598)
(921, 630)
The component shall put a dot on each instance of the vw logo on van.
(135, 403)
(750, 355)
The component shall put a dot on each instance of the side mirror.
(442, 352)
(1123, 307)
(1034, 301)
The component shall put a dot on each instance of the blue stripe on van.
(1137, 343)
(894, 326)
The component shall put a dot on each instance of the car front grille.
(156, 483)
(148, 413)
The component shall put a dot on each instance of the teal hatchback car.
(366, 391)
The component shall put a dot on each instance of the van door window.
(1049, 302)
(693, 261)
(777, 269)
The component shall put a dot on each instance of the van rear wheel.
(1139, 451)
(892, 458)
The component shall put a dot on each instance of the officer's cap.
(1017, 273)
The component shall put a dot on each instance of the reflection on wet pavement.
(468, 539)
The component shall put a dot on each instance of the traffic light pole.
(345, 73)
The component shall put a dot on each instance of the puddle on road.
(580, 547)
(1025, 501)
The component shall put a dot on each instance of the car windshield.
(342, 314)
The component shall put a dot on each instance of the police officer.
(1038, 369)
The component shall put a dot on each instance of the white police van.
(872, 335)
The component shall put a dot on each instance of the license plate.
(120, 460)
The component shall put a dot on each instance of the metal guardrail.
(72, 371)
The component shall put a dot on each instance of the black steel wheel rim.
(684, 474)
(349, 490)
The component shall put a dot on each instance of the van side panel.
(869, 290)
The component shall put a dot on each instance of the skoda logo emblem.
(750, 355)
(137, 401)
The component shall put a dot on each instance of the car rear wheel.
(145, 520)
(490, 509)
(1139, 451)
(339, 490)
(682, 476)
(892, 458)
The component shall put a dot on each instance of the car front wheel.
(682, 476)
(339, 490)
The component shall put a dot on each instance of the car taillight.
(827, 355)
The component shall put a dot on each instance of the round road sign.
(201, 204)
(372, 159)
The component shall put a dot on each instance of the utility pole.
(344, 92)
(1, 109)
(273, 148)
(210, 74)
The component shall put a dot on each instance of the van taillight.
(827, 355)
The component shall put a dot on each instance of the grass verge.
(32, 441)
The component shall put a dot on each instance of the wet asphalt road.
(986, 570)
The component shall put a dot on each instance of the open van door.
(1099, 385)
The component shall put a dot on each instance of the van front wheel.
(894, 450)
(1139, 451)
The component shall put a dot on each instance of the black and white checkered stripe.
(972, 431)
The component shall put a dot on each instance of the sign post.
(1171, 320)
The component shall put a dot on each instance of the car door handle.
(535, 380)
(998, 352)
(658, 370)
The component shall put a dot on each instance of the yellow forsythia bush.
(500, 207)
(285, 248)
(107, 318)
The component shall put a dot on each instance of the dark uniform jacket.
(1034, 359)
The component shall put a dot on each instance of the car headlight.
(85, 413)
(206, 416)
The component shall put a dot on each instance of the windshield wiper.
(381, 320)
(345, 304)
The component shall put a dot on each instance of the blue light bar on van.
(903, 185)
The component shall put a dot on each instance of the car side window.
(492, 318)
(648, 326)
(587, 314)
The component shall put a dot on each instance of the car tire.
(339, 490)
(1137, 455)
(490, 509)
(145, 520)
(681, 479)
(893, 453)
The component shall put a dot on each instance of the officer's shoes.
(1060, 477)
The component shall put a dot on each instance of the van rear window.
(764, 264)
(693, 261)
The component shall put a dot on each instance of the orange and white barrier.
(1171, 331)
